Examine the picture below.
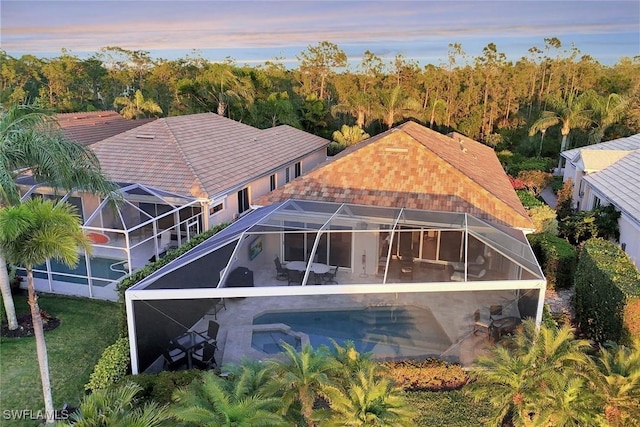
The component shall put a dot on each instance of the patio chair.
(294, 277)
(406, 267)
(281, 272)
(174, 358)
(481, 324)
(204, 358)
(495, 312)
(330, 277)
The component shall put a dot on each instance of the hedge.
(146, 271)
(159, 387)
(528, 200)
(607, 293)
(557, 258)
(426, 375)
(112, 366)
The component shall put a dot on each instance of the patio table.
(316, 267)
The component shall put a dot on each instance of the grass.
(447, 408)
(86, 328)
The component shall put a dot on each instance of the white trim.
(388, 288)
(131, 327)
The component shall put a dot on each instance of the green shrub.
(544, 219)
(528, 199)
(607, 293)
(146, 271)
(159, 387)
(557, 258)
(516, 164)
(111, 367)
(430, 374)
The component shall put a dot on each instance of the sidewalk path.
(549, 197)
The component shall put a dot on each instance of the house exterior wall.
(630, 237)
(261, 186)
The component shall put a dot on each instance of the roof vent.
(145, 136)
(396, 150)
(462, 147)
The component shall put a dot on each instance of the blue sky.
(256, 31)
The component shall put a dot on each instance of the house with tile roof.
(607, 173)
(87, 128)
(414, 167)
(373, 246)
(178, 176)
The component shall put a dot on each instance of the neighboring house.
(608, 174)
(87, 128)
(395, 244)
(178, 176)
(593, 158)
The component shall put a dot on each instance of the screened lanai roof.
(124, 213)
(302, 216)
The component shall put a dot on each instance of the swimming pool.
(100, 269)
(270, 342)
(395, 331)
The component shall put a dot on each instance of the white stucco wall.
(630, 237)
(261, 186)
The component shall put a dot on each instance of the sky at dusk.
(252, 32)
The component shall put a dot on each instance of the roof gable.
(629, 143)
(620, 183)
(413, 167)
(202, 154)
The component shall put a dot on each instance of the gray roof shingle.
(620, 183)
(201, 154)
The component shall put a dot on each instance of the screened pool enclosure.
(399, 283)
(126, 234)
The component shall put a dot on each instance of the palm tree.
(300, 377)
(608, 110)
(526, 376)
(116, 407)
(395, 106)
(357, 105)
(31, 142)
(136, 107)
(369, 399)
(349, 135)
(31, 233)
(571, 113)
(618, 381)
(213, 401)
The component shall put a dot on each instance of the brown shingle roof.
(414, 167)
(91, 127)
(201, 154)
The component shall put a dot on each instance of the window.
(596, 202)
(243, 200)
(215, 209)
(272, 182)
(286, 175)
(298, 170)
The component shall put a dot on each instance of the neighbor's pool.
(100, 269)
(384, 331)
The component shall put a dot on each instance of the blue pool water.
(100, 269)
(392, 328)
(269, 341)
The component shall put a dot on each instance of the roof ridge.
(184, 157)
(518, 208)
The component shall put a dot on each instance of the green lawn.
(447, 408)
(86, 328)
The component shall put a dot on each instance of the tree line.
(487, 97)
